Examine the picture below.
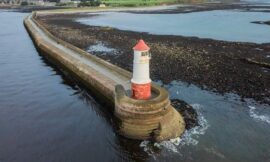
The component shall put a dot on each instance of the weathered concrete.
(139, 119)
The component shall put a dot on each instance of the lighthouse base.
(141, 91)
(153, 119)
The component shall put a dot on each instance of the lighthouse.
(141, 82)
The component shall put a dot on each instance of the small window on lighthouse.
(145, 53)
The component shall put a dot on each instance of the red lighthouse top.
(141, 46)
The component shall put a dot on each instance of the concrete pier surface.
(153, 119)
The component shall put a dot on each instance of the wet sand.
(219, 66)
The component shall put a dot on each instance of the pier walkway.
(110, 74)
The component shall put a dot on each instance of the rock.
(188, 112)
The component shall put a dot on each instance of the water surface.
(43, 115)
(257, 1)
(46, 116)
(228, 25)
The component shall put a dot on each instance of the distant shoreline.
(261, 22)
(28, 9)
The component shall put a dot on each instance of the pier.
(153, 119)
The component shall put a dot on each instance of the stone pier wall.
(153, 119)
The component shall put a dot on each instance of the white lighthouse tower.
(141, 82)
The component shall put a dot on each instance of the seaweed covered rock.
(188, 112)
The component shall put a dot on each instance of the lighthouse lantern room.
(141, 82)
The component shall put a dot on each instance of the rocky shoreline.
(262, 22)
(210, 64)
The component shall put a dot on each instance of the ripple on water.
(190, 137)
(259, 117)
(102, 49)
